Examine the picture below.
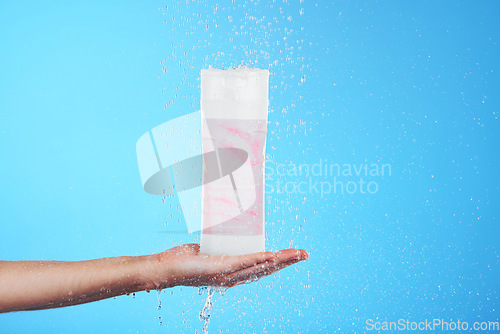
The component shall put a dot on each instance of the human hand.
(185, 265)
(35, 285)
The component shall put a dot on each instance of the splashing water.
(201, 290)
(207, 308)
(159, 299)
(159, 306)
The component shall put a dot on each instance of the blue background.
(413, 85)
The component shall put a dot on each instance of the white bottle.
(234, 108)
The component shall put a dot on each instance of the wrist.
(155, 272)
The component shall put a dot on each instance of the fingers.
(256, 272)
(194, 268)
(236, 263)
(278, 261)
(292, 253)
(240, 262)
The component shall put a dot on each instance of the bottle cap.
(240, 93)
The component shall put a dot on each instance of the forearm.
(31, 285)
(35, 285)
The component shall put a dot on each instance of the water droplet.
(205, 313)
(159, 299)
(201, 290)
(207, 308)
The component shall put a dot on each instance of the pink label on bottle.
(233, 203)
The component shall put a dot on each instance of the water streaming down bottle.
(234, 108)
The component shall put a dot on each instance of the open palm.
(193, 268)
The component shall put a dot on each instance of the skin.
(36, 285)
